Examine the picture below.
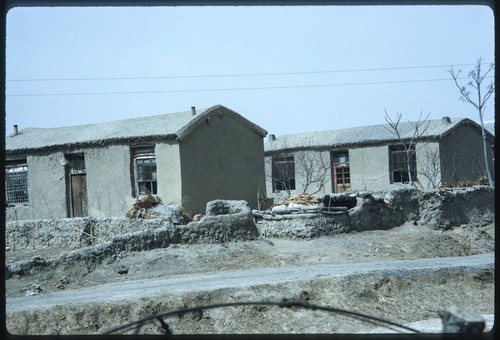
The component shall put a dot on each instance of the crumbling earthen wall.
(446, 208)
(227, 221)
(441, 209)
(224, 221)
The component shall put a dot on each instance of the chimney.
(446, 120)
(193, 110)
(16, 131)
(272, 137)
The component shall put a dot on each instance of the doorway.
(76, 185)
(341, 174)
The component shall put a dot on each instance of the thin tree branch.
(479, 105)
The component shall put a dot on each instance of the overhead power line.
(234, 75)
(228, 89)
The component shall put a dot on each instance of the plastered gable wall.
(168, 166)
(461, 154)
(369, 168)
(222, 159)
(109, 185)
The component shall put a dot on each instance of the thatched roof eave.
(93, 143)
(365, 143)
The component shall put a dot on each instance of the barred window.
(16, 184)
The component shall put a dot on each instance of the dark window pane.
(283, 173)
(146, 175)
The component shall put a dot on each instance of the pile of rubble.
(304, 199)
(151, 207)
(307, 204)
(142, 205)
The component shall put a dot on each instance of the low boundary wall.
(439, 209)
(234, 221)
(225, 221)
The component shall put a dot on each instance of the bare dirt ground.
(400, 297)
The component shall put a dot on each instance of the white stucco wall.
(109, 186)
(168, 166)
(322, 163)
(46, 183)
(369, 168)
(321, 160)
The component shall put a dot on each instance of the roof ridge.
(116, 120)
(453, 120)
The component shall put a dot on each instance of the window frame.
(401, 171)
(283, 177)
(76, 162)
(340, 159)
(144, 158)
(17, 191)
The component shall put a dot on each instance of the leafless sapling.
(312, 168)
(408, 139)
(476, 83)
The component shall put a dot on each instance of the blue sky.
(289, 69)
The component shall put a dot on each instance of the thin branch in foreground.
(285, 303)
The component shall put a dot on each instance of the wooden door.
(341, 177)
(78, 195)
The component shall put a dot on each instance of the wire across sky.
(252, 88)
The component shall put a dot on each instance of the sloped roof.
(490, 126)
(360, 136)
(167, 126)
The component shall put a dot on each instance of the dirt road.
(405, 274)
(138, 289)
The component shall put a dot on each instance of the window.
(145, 171)
(340, 157)
(341, 173)
(76, 162)
(283, 173)
(16, 183)
(399, 169)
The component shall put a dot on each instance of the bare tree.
(430, 168)
(307, 166)
(476, 83)
(282, 175)
(313, 168)
(408, 142)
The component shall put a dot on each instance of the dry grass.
(141, 205)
